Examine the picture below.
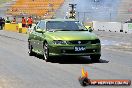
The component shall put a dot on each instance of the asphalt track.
(19, 70)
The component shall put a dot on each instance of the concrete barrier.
(24, 30)
(107, 26)
(113, 26)
(127, 27)
(15, 28)
(100, 26)
(11, 27)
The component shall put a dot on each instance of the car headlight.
(95, 41)
(59, 42)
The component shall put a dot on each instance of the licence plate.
(79, 48)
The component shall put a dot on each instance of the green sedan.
(60, 37)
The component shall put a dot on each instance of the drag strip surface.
(19, 70)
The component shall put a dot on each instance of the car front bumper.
(60, 50)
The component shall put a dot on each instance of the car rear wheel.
(46, 52)
(31, 53)
(95, 57)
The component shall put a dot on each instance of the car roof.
(59, 20)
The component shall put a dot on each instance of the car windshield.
(65, 26)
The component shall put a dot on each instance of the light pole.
(110, 16)
(72, 11)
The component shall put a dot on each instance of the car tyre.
(46, 52)
(31, 53)
(95, 57)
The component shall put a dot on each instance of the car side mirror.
(39, 31)
(34, 28)
(90, 29)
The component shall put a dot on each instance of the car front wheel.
(46, 52)
(95, 57)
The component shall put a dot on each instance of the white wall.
(107, 26)
(112, 26)
(127, 27)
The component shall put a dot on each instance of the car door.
(35, 39)
(40, 36)
(32, 37)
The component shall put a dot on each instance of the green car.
(60, 37)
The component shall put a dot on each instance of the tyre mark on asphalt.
(13, 38)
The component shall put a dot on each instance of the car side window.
(41, 25)
(37, 26)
